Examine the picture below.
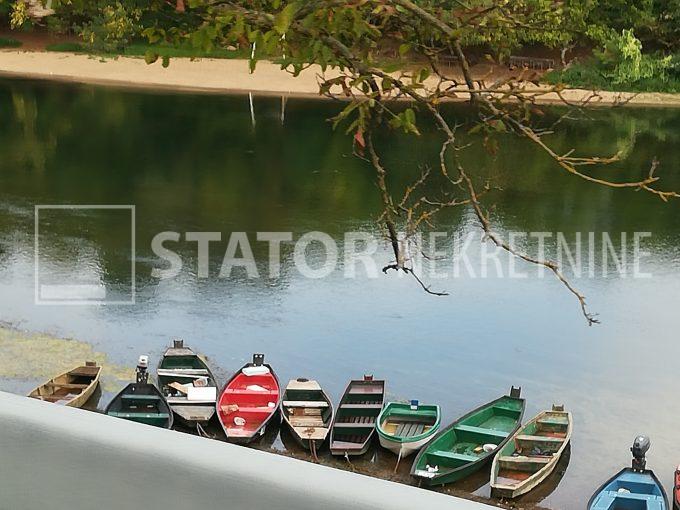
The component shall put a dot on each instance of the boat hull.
(354, 425)
(555, 428)
(161, 417)
(610, 494)
(307, 412)
(180, 364)
(260, 408)
(676, 490)
(403, 450)
(89, 372)
(454, 453)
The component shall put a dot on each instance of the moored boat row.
(521, 456)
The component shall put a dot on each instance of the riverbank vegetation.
(371, 52)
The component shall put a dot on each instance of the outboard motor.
(639, 449)
(142, 373)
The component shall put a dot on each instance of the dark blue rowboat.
(630, 490)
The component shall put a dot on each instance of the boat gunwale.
(259, 431)
(171, 418)
(483, 458)
(87, 391)
(411, 439)
(302, 441)
(546, 470)
(364, 445)
(601, 488)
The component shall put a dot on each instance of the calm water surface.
(196, 163)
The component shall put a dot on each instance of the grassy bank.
(591, 76)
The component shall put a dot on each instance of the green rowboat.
(405, 428)
(470, 442)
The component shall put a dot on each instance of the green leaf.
(285, 18)
(150, 56)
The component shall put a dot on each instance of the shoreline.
(232, 76)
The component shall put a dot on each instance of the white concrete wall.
(55, 458)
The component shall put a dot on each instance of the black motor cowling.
(639, 449)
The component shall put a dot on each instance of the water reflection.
(193, 163)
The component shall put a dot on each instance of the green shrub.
(9, 43)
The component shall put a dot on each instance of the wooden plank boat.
(531, 454)
(141, 401)
(249, 401)
(469, 442)
(307, 412)
(406, 428)
(188, 385)
(354, 423)
(630, 489)
(676, 490)
(72, 388)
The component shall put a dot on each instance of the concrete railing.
(55, 458)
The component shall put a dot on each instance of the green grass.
(587, 75)
(139, 49)
(9, 43)
(72, 47)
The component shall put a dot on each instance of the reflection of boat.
(468, 443)
(72, 388)
(531, 454)
(141, 401)
(354, 423)
(249, 401)
(405, 428)
(188, 384)
(308, 413)
(633, 488)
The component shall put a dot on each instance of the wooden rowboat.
(469, 443)
(531, 454)
(249, 401)
(354, 423)
(307, 412)
(406, 428)
(188, 385)
(141, 401)
(72, 388)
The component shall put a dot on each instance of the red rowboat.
(676, 490)
(249, 401)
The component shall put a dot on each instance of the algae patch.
(39, 356)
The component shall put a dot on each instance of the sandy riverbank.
(224, 76)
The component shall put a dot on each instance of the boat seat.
(609, 497)
(409, 429)
(305, 403)
(377, 407)
(522, 438)
(553, 421)
(164, 416)
(523, 463)
(354, 425)
(345, 445)
(68, 386)
(481, 430)
(139, 397)
(443, 454)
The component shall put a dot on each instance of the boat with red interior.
(249, 401)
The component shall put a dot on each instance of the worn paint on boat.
(406, 428)
(141, 401)
(72, 388)
(355, 419)
(630, 489)
(183, 366)
(307, 412)
(249, 401)
(459, 449)
(531, 454)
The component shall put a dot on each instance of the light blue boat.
(630, 490)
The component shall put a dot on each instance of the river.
(198, 163)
